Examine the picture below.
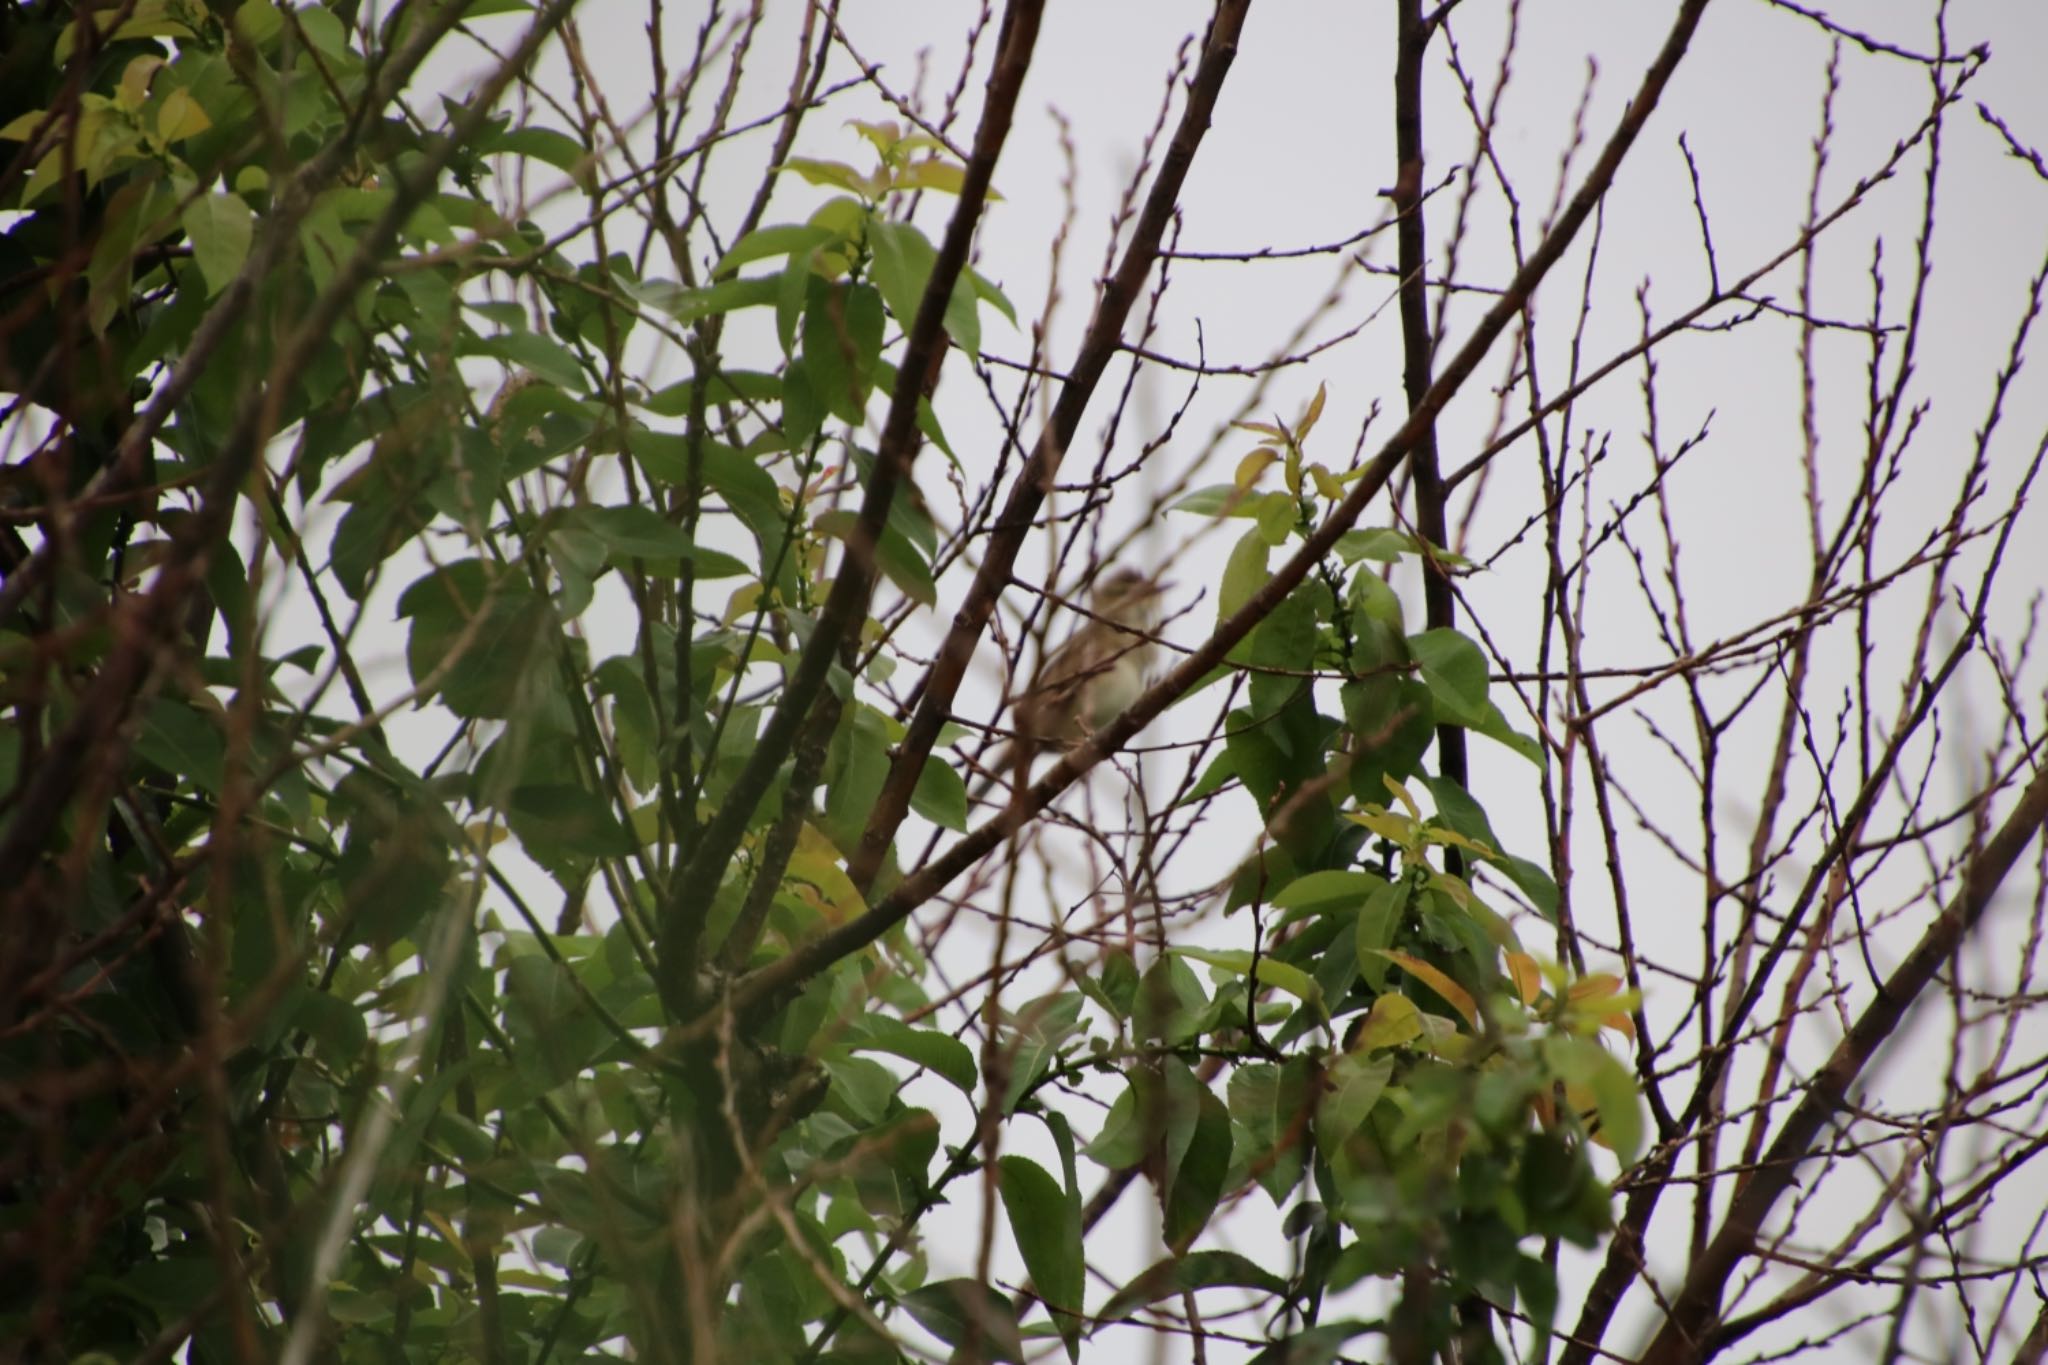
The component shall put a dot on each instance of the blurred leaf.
(1279, 975)
(1048, 1231)
(1183, 1274)
(941, 1053)
(221, 228)
(960, 1312)
(1455, 672)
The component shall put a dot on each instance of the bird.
(1093, 676)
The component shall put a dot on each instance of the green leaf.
(1455, 672)
(694, 305)
(961, 1311)
(940, 1053)
(766, 243)
(1042, 1028)
(1047, 1227)
(1177, 1275)
(1243, 574)
(1318, 1345)
(544, 356)
(184, 743)
(221, 227)
(941, 795)
(902, 265)
(1463, 815)
(726, 386)
(1355, 1083)
(1217, 500)
(1495, 727)
(1328, 887)
(831, 174)
(557, 149)
(1197, 1183)
(567, 817)
(636, 531)
(842, 332)
(1120, 1143)
(1379, 919)
(1271, 1104)
(1269, 971)
(1381, 544)
(1585, 1062)
(1284, 643)
(490, 631)
(901, 562)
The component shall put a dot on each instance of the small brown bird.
(1094, 675)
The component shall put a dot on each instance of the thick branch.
(1418, 346)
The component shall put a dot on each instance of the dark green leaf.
(941, 1053)
(221, 228)
(960, 1312)
(544, 356)
(940, 795)
(1455, 672)
(1197, 1181)
(1048, 1231)
(1318, 1345)
(1177, 1275)
(487, 629)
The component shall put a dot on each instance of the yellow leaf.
(1392, 1021)
(181, 117)
(1266, 429)
(1526, 975)
(134, 88)
(1401, 794)
(1315, 410)
(1390, 827)
(821, 880)
(1448, 990)
(1326, 483)
(1253, 465)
